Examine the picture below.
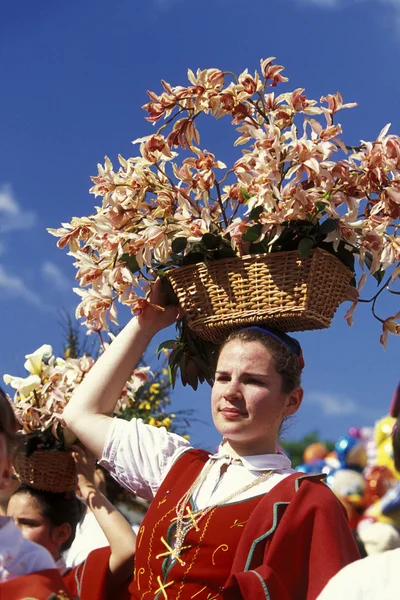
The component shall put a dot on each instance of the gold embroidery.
(162, 587)
(172, 552)
(210, 597)
(199, 592)
(192, 518)
(150, 554)
(223, 547)
(164, 499)
(237, 523)
(203, 533)
(140, 535)
(140, 572)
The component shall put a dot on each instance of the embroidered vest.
(209, 552)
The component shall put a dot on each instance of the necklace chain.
(186, 522)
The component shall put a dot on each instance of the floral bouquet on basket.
(272, 238)
(45, 461)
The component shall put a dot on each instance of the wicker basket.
(48, 470)
(281, 290)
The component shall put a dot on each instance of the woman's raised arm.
(88, 412)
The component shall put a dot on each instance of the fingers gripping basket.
(282, 290)
(48, 470)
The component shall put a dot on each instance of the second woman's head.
(49, 519)
(257, 386)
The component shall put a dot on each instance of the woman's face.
(25, 511)
(247, 402)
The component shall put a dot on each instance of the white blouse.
(139, 456)
(376, 576)
(19, 556)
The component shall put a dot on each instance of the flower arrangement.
(295, 186)
(41, 397)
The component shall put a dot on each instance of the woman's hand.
(85, 467)
(157, 312)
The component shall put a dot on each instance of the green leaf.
(328, 226)
(178, 245)
(258, 248)
(168, 345)
(193, 257)
(245, 194)
(210, 241)
(379, 275)
(253, 233)
(256, 212)
(130, 262)
(173, 364)
(305, 246)
(320, 206)
(225, 252)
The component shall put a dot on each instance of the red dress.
(283, 545)
(42, 585)
(90, 580)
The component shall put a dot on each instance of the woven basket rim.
(249, 257)
(285, 287)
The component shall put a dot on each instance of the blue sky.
(74, 76)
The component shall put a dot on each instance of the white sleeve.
(139, 455)
(345, 584)
(33, 558)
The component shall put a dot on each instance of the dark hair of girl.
(57, 509)
(286, 362)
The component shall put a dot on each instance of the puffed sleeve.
(139, 456)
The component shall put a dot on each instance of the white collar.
(61, 565)
(257, 462)
(11, 537)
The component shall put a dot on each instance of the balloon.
(310, 468)
(318, 466)
(315, 451)
(355, 432)
(349, 486)
(351, 453)
(378, 480)
(384, 445)
(387, 508)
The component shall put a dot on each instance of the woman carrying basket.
(237, 524)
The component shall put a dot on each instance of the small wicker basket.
(282, 290)
(47, 470)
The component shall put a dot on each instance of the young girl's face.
(25, 511)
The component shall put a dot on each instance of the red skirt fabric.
(43, 585)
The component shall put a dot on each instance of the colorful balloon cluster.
(361, 471)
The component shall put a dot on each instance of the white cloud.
(12, 216)
(395, 4)
(12, 287)
(53, 274)
(339, 406)
(321, 3)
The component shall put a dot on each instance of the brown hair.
(285, 362)
(8, 423)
